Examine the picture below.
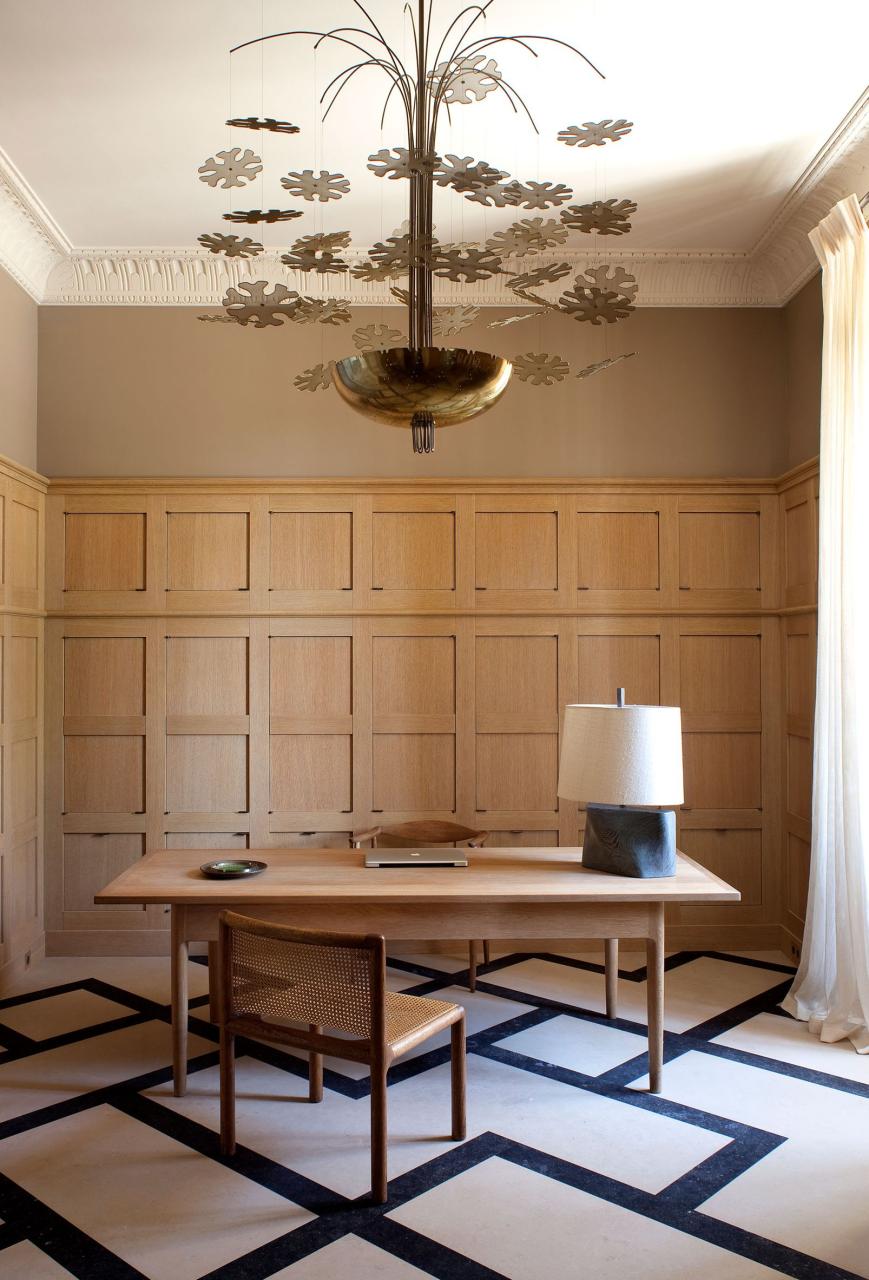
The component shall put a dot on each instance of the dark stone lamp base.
(630, 842)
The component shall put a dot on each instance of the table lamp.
(618, 756)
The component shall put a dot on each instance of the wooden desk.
(504, 893)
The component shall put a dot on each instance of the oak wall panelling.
(261, 664)
(22, 549)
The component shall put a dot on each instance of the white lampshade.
(622, 755)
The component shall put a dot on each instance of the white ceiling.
(107, 107)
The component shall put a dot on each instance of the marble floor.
(754, 1162)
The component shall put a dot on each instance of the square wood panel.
(104, 676)
(607, 663)
(517, 550)
(797, 863)
(722, 770)
(207, 551)
(22, 546)
(206, 773)
(719, 549)
(414, 772)
(310, 676)
(617, 550)
(311, 773)
(414, 551)
(206, 840)
(104, 774)
(798, 763)
(800, 674)
(91, 861)
(720, 674)
(517, 678)
(517, 771)
(104, 551)
(522, 840)
(800, 564)
(22, 699)
(23, 781)
(21, 887)
(206, 675)
(414, 675)
(310, 550)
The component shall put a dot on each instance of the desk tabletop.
(339, 875)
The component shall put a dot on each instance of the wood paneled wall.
(799, 558)
(234, 664)
(22, 526)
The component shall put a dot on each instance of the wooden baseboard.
(791, 944)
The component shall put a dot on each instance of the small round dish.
(232, 868)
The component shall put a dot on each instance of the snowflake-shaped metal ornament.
(216, 319)
(538, 195)
(528, 235)
(607, 217)
(548, 274)
(324, 263)
(590, 134)
(232, 246)
(318, 378)
(373, 273)
(469, 265)
(604, 364)
(399, 163)
(466, 80)
(322, 242)
(377, 337)
(516, 318)
(232, 168)
(463, 173)
(332, 311)
(447, 321)
(310, 186)
(267, 122)
(593, 304)
(251, 302)
(614, 279)
(263, 215)
(397, 254)
(540, 370)
(498, 195)
(403, 295)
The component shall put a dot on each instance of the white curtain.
(831, 988)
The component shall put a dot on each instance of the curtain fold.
(831, 988)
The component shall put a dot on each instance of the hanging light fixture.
(423, 386)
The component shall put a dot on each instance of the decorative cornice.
(35, 251)
(31, 242)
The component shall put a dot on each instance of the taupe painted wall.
(149, 391)
(803, 324)
(18, 372)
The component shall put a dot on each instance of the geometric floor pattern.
(753, 1162)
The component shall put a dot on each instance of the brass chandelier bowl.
(422, 387)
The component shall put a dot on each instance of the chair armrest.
(479, 840)
(359, 838)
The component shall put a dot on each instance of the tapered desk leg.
(180, 949)
(655, 997)
(612, 977)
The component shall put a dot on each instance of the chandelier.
(412, 382)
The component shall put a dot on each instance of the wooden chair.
(294, 986)
(412, 834)
(425, 834)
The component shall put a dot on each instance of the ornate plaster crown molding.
(37, 254)
(31, 242)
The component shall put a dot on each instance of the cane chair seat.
(407, 1016)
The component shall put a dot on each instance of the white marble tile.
(529, 1227)
(810, 1193)
(23, 1261)
(589, 1047)
(329, 1142)
(57, 1015)
(785, 1039)
(46, 1078)
(694, 992)
(173, 1214)
(481, 1012)
(350, 1257)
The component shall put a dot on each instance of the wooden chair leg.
(472, 966)
(227, 1092)
(379, 1178)
(315, 1072)
(612, 977)
(457, 1064)
(487, 952)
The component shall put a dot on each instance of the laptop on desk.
(443, 857)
